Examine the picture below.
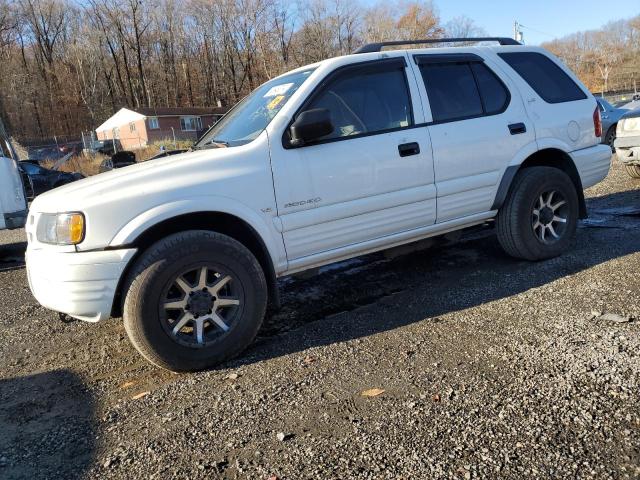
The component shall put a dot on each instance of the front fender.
(262, 224)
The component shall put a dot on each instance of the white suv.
(337, 159)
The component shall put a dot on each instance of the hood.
(631, 114)
(189, 171)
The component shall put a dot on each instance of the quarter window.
(190, 124)
(544, 76)
(366, 99)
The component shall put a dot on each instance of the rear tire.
(193, 300)
(539, 217)
(633, 170)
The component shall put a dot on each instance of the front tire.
(633, 170)
(610, 138)
(194, 299)
(540, 215)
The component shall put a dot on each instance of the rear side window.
(544, 76)
(463, 90)
(452, 91)
(494, 94)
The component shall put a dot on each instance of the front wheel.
(633, 170)
(540, 215)
(194, 299)
(610, 138)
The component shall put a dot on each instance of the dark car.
(41, 154)
(118, 160)
(38, 179)
(74, 148)
(106, 147)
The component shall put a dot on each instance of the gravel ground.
(489, 367)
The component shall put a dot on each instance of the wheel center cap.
(201, 303)
(546, 216)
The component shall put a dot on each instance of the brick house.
(137, 128)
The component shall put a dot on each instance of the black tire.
(633, 170)
(516, 219)
(610, 137)
(146, 318)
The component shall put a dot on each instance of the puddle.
(618, 211)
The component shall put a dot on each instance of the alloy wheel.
(549, 217)
(200, 306)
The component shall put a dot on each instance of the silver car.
(627, 142)
(610, 116)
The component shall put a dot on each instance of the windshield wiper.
(211, 144)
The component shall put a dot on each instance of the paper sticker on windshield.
(278, 90)
(274, 103)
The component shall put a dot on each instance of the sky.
(543, 20)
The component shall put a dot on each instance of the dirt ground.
(486, 367)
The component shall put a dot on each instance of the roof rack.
(377, 47)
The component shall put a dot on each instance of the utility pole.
(517, 32)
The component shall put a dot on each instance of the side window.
(452, 91)
(493, 92)
(462, 89)
(366, 100)
(544, 76)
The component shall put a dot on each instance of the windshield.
(251, 116)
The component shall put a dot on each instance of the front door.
(370, 178)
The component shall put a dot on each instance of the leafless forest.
(605, 60)
(66, 65)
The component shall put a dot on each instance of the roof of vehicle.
(374, 50)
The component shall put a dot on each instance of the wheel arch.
(548, 157)
(220, 222)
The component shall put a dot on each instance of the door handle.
(407, 149)
(517, 128)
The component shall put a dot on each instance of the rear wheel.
(194, 299)
(540, 214)
(633, 170)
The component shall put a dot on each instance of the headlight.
(61, 228)
(631, 124)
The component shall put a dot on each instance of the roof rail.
(377, 47)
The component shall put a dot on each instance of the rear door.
(369, 179)
(561, 108)
(478, 126)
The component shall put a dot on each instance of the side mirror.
(311, 125)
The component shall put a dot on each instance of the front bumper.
(80, 284)
(628, 149)
(15, 220)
